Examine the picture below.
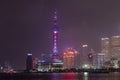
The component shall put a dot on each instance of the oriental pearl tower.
(55, 56)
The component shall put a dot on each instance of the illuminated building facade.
(98, 61)
(44, 66)
(115, 47)
(69, 58)
(55, 55)
(84, 57)
(105, 47)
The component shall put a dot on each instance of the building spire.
(55, 18)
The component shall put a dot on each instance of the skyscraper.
(29, 62)
(55, 55)
(69, 58)
(98, 61)
(84, 56)
(115, 47)
(77, 59)
(90, 56)
(105, 48)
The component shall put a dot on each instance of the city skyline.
(27, 26)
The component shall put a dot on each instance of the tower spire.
(55, 18)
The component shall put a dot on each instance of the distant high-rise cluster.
(111, 48)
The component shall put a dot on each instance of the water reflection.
(86, 75)
(69, 76)
(75, 76)
(56, 76)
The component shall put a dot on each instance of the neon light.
(85, 45)
(29, 54)
(55, 32)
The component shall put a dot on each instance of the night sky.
(26, 25)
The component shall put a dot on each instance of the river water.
(76, 76)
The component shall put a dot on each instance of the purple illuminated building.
(55, 56)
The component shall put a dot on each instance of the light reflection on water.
(77, 76)
(85, 75)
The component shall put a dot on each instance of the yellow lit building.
(69, 58)
(105, 48)
(115, 47)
